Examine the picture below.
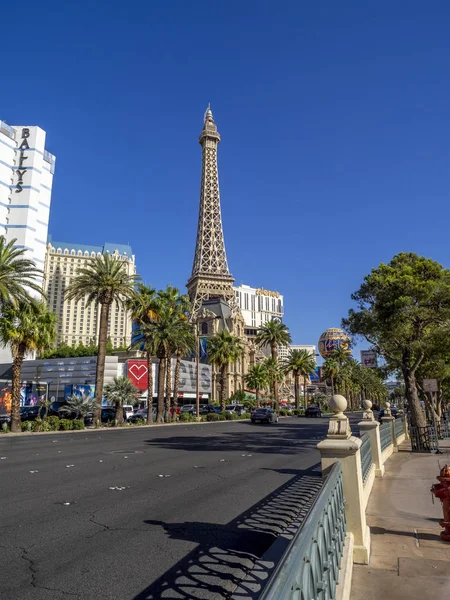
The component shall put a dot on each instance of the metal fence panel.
(398, 427)
(366, 455)
(385, 435)
(310, 566)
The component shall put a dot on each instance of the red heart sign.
(139, 371)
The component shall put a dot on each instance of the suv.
(313, 411)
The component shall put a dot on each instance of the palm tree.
(301, 364)
(103, 281)
(121, 391)
(27, 327)
(223, 348)
(274, 334)
(257, 380)
(275, 373)
(183, 343)
(143, 308)
(330, 370)
(80, 404)
(16, 274)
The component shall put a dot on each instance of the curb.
(104, 429)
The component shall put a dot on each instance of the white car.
(129, 410)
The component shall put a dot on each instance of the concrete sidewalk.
(408, 558)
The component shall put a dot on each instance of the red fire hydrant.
(442, 491)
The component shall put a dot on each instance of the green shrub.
(222, 417)
(66, 424)
(139, 422)
(40, 425)
(298, 412)
(78, 424)
(283, 413)
(212, 417)
(26, 425)
(186, 417)
(5, 428)
(53, 423)
(235, 417)
(228, 416)
(245, 416)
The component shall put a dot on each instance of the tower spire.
(210, 276)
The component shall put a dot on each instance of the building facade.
(26, 178)
(79, 322)
(258, 306)
(284, 351)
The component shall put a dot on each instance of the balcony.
(7, 129)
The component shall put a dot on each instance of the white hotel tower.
(26, 177)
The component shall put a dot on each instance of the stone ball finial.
(367, 405)
(338, 404)
(388, 405)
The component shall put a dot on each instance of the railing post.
(388, 418)
(342, 446)
(370, 426)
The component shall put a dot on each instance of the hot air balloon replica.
(331, 340)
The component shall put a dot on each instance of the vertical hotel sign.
(20, 172)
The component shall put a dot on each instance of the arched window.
(204, 328)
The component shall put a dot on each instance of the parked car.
(313, 411)
(238, 409)
(263, 415)
(129, 410)
(394, 413)
(31, 413)
(188, 408)
(141, 415)
(5, 418)
(205, 409)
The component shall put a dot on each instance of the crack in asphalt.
(33, 574)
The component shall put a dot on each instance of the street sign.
(430, 385)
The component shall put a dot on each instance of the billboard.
(316, 376)
(137, 373)
(79, 389)
(31, 394)
(369, 358)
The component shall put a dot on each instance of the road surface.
(172, 512)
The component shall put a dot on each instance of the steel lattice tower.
(210, 276)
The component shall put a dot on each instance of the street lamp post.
(197, 394)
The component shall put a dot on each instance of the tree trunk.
(176, 385)
(332, 386)
(149, 389)
(258, 397)
(168, 414)
(297, 390)
(417, 416)
(274, 351)
(223, 389)
(101, 356)
(304, 392)
(119, 412)
(161, 382)
(15, 389)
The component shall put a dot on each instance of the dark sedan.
(263, 415)
(141, 415)
(382, 413)
(313, 411)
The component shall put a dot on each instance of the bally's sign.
(138, 375)
(20, 172)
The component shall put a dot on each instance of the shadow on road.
(284, 438)
(225, 553)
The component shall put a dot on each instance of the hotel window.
(253, 302)
(246, 301)
(267, 304)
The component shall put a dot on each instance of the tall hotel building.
(79, 322)
(26, 177)
(258, 306)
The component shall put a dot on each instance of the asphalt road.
(174, 512)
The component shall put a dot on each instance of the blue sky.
(334, 120)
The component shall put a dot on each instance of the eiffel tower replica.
(210, 286)
(211, 278)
